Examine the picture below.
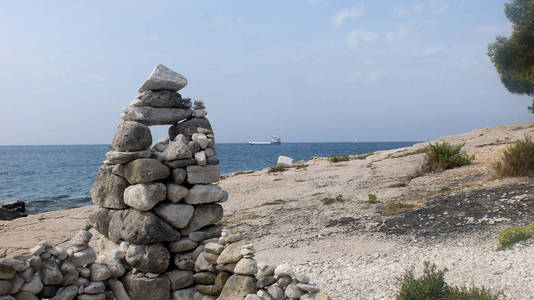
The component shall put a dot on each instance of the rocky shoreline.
(354, 249)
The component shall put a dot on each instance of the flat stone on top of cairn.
(163, 78)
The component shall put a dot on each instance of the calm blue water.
(57, 177)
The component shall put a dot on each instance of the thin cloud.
(348, 13)
(357, 36)
(438, 7)
(367, 77)
(399, 34)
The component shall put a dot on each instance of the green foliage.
(335, 159)
(330, 200)
(394, 207)
(514, 57)
(87, 227)
(363, 156)
(372, 198)
(517, 159)
(514, 235)
(398, 185)
(444, 189)
(275, 169)
(301, 166)
(431, 285)
(439, 157)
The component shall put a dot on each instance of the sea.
(57, 177)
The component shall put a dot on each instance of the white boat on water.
(275, 140)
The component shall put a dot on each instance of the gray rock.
(184, 261)
(117, 157)
(175, 192)
(231, 254)
(203, 174)
(145, 170)
(201, 139)
(67, 293)
(204, 215)
(302, 277)
(7, 297)
(252, 297)
(84, 272)
(181, 138)
(146, 228)
(160, 98)
(184, 294)
(204, 193)
(95, 288)
(246, 266)
(101, 218)
(163, 78)
(142, 288)
(70, 273)
(153, 258)
(178, 175)
(5, 287)
(116, 268)
(200, 113)
(34, 286)
(7, 271)
(198, 236)
(17, 264)
(37, 250)
(160, 145)
(189, 127)
(180, 279)
(283, 270)
(178, 215)
(292, 291)
(108, 189)
(183, 245)
(118, 290)
(276, 292)
(214, 248)
(22, 296)
(213, 161)
(115, 225)
(283, 281)
(200, 157)
(193, 146)
(180, 163)
(50, 273)
(265, 270)
(144, 196)
(83, 258)
(208, 292)
(238, 287)
(91, 297)
(35, 262)
(309, 296)
(265, 281)
(308, 287)
(131, 136)
(210, 152)
(16, 284)
(99, 272)
(201, 264)
(204, 277)
(81, 238)
(156, 116)
(176, 150)
(27, 274)
(264, 295)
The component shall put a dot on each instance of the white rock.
(201, 159)
(284, 161)
(283, 270)
(163, 78)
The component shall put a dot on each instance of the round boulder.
(132, 136)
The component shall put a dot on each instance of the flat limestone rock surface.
(284, 216)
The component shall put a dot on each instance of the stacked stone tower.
(156, 221)
(158, 203)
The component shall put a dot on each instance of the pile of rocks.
(157, 220)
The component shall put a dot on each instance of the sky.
(306, 70)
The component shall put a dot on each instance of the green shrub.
(398, 185)
(514, 235)
(301, 166)
(517, 159)
(87, 227)
(372, 198)
(335, 159)
(330, 200)
(444, 189)
(394, 207)
(275, 169)
(363, 156)
(431, 285)
(444, 156)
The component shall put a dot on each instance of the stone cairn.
(156, 222)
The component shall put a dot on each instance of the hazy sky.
(309, 70)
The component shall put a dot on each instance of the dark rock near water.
(189, 127)
(144, 228)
